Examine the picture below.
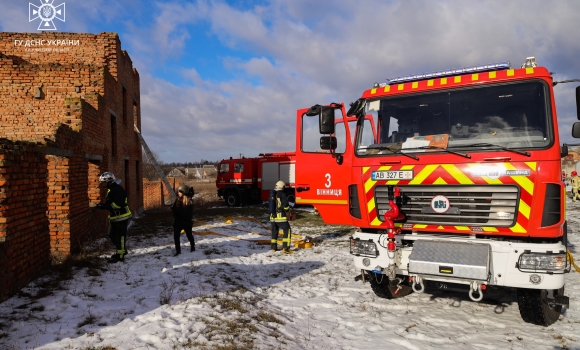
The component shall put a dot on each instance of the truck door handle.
(301, 189)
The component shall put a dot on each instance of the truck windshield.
(513, 116)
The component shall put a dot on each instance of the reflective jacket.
(282, 206)
(575, 181)
(116, 203)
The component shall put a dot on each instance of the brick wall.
(155, 194)
(24, 226)
(67, 111)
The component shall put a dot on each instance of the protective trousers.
(575, 193)
(118, 235)
(276, 227)
(187, 227)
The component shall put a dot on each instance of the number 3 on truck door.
(323, 161)
(328, 183)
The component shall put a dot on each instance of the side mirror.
(576, 130)
(328, 142)
(326, 120)
(564, 151)
(577, 103)
(357, 108)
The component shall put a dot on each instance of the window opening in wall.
(93, 190)
(113, 135)
(124, 106)
(127, 187)
(135, 117)
(137, 177)
(135, 113)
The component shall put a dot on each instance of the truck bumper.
(461, 260)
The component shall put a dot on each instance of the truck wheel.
(535, 307)
(381, 287)
(232, 199)
(291, 198)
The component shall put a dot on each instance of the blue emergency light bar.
(447, 73)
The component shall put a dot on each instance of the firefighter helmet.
(574, 173)
(280, 185)
(183, 188)
(107, 177)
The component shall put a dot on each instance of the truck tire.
(232, 199)
(291, 198)
(381, 287)
(535, 308)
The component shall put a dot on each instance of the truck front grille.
(472, 205)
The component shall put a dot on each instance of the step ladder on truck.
(453, 180)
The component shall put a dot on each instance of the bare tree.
(148, 168)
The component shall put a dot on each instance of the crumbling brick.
(57, 103)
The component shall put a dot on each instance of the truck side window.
(311, 136)
(239, 168)
(367, 137)
(224, 168)
(340, 134)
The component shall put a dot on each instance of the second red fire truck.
(242, 181)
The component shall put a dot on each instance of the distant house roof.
(175, 173)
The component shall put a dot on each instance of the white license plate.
(392, 175)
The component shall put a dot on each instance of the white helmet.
(280, 185)
(107, 177)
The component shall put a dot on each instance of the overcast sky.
(223, 78)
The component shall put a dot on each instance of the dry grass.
(240, 329)
(206, 194)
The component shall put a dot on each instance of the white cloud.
(166, 37)
(308, 54)
(297, 53)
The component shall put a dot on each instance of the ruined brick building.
(68, 103)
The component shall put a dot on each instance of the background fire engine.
(244, 181)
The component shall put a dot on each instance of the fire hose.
(571, 260)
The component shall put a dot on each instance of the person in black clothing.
(183, 216)
(119, 214)
(279, 206)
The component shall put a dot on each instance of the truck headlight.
(542, 261)
(360, 247)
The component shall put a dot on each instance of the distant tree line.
(150, 173)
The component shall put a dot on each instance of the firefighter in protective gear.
(119, 214)
(279, 206)
(183, 216)
(575, 179)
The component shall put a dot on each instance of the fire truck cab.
(453, 180)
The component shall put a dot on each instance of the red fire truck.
(244, 181)
(453, 180)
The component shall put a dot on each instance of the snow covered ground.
(232, 293)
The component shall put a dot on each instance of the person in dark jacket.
(119, 214)
(183, 216)
(279, 206)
